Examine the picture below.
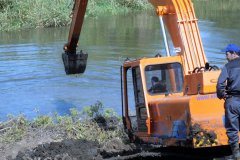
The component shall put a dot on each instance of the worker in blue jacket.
(228, 88)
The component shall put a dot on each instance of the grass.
(14, 129)
(78, 125)
(221, 5)
(23, 14)
(218, 11)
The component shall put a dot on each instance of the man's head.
(232, 52)
(154, 80)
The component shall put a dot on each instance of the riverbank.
(94, 132)
(23, 14)
(53, 142)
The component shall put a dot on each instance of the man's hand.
(225, 94)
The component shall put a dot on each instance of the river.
(32, 77)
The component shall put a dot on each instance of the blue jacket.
(229, 80)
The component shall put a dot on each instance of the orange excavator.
(175, 96)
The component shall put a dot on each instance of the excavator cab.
(144, 81)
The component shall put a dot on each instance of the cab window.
(164, 78)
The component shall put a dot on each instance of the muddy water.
(32, 78)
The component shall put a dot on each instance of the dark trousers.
(232, 115)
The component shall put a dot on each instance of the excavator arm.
(75, 62)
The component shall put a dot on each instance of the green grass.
(22, 14)
(220, 5)
(14, 130)
(76, 125)
(220, 11)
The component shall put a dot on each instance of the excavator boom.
(181, 22)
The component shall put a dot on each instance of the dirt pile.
(68, 138)
(32, 139)
(66, 149)
(77, 150)
(114, 149)
(51, 144)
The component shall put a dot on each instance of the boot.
(235, 151)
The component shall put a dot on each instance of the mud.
(33, 138)
(42, 146)
(51, 144)
(66, 149)
(84, 150)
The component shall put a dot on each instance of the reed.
(215, 8)
(219, 11)
(22, 14)
(220, 5)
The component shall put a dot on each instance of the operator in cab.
(228, 88)
(158, 86)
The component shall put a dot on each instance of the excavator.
(184, 109)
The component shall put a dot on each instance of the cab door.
(135, 109)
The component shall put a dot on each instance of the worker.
(231, 52)
(228, 88)
(158, 86)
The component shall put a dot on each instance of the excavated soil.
(51, 144)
